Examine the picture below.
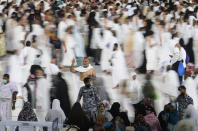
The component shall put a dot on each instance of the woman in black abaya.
(61, 93)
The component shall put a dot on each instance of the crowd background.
(133, 62)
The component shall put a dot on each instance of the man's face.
(101, 108)
(39, 73)
(5, 80)
(88, 84)
(182, 91)
(85, 63)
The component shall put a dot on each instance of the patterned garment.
(183, 102)
(91, 99)
(27, 113)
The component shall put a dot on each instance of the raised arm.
(72, 66)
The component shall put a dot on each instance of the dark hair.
(182, 87)
(28, 43)
(6, 75)
(86, 79)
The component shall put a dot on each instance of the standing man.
(86, 70)
(8, 92)
(91, 99)
(183, 100)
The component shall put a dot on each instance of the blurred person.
(8, 92)
(151, 50)
(9, 25)
(69, 45)
(27, 113)
(191, 114)
(52, 68)
(183, 100)
(15, 67)
(99, 123)
(173, 116)
(102, 111)
(42, 94)
(191, 88)
(87, 70)
(138, 48)
(185, 125)
(62, 93)
(90, 97)
(80, 43)
(179, 55)
(163, 118)
(56, 112)
(115, 112)
(119, 69)
(19, 33)
(107, 44)
(78, 117)
(2, 43)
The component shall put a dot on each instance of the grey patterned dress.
(91, 99)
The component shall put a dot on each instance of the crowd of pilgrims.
(46, 42)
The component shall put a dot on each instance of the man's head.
(115, 47)
(85, 62)
(6, 78)
(133, 75)
(101, 107)
(39, 73)
(87, 82)
(182, 90)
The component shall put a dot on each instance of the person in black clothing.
(61, 93)
(78, 118)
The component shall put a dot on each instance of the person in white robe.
(139, 46)
(62, 26)
(151, 53)
(56, 112)
(107, 49)
(28, 55)
(45, 47)
(195, 46)
(119, 68)
(191, 114)
(52, 68)
(10, 25)
(69, 45)
(80, 44)
(19, 34)
(15, 70)
(42, 95)
(191, 89)
(8, 91)
(37, 31)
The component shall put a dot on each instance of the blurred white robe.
(42, 98)
(191, 89)
(69, 55)
(119, 68)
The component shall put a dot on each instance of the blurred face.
(39, 73)
(85, 63)
(102, 108)
(5, 80)
(88, 84)
(182, 91)
(134, 77)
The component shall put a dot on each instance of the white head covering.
(56, 106)
(133, 74)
